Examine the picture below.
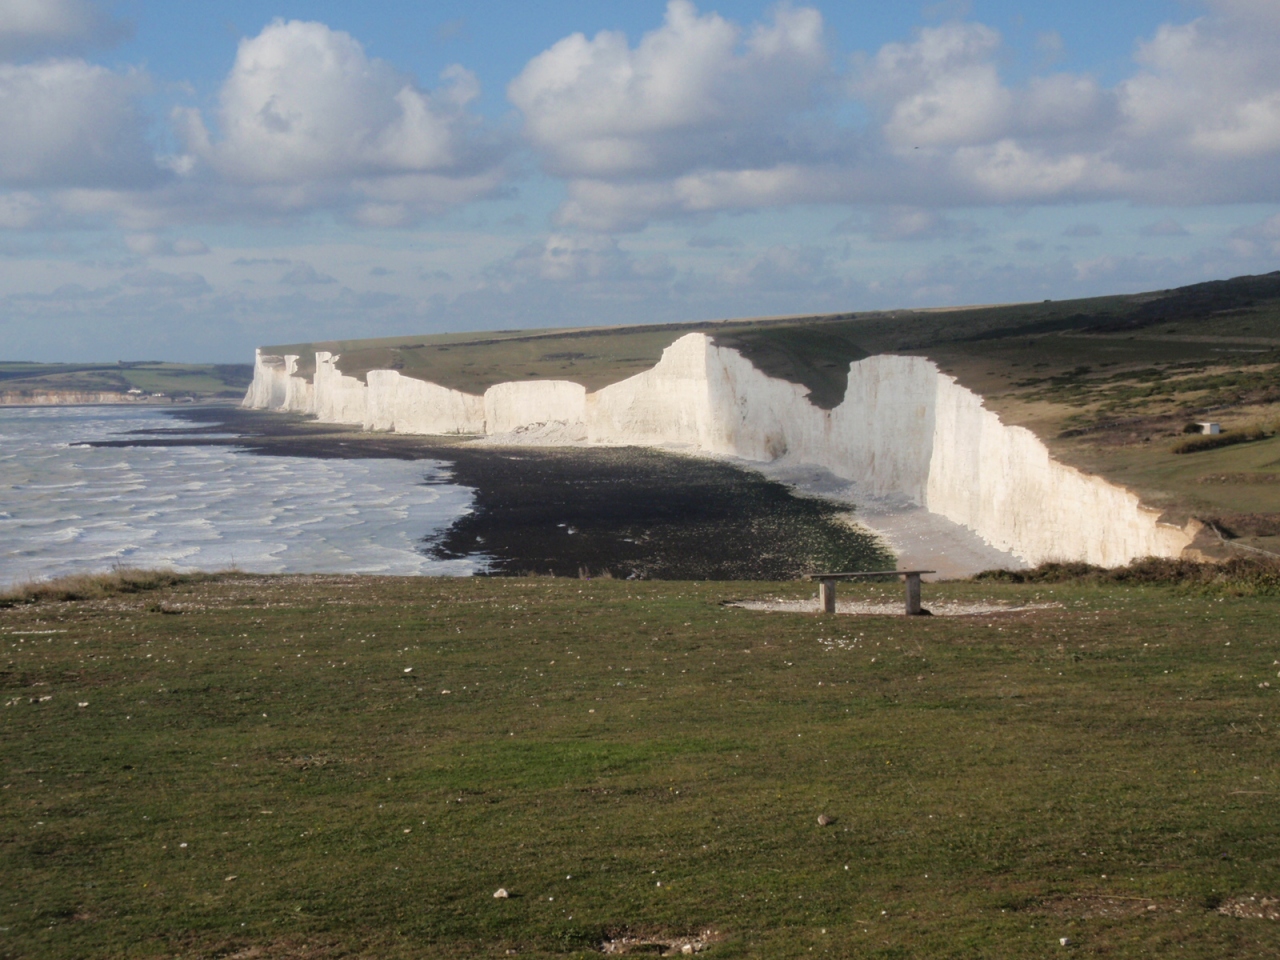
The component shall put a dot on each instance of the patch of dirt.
(632, 943)
(941, 608)
(1088, 908)
(1251, 908)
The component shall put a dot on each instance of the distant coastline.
(80, 398)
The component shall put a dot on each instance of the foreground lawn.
(337, 766)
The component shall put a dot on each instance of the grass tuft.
(96, 586)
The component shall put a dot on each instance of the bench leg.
(913, 594)
(827, 595)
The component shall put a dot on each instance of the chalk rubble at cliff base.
(905, 432)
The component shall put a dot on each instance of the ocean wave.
(207, 508)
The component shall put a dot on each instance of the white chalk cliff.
(904, 429)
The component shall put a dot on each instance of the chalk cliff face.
(275, 387)
(904, 429)
(405, 405)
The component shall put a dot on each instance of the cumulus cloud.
(306, 119)
(305, 275)
(40, 27)
(1210, 87)
(68, 123)
(703, 115)
(562, 258)
(914, 223)
(692, 93)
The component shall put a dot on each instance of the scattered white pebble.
(501, 894)
(408, 669)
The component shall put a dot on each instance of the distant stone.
(824, 820)
(501, 894)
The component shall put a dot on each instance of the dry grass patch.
(98, 586)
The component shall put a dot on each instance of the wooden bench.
(827, 587)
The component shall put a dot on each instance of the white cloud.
(1210, 87)
(70, 123)
(655, 128)
(941, 90)
(704, 116)
(305, 275)
(561, 258)
(692, 91)
(39, 27)
(915, 223)
(306, 120)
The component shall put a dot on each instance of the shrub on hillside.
(94, 586)
(1239, 576)
(1212, 442)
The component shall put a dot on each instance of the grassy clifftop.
(325, 767)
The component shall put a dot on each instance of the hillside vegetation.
(201, 381)
(1109, 383)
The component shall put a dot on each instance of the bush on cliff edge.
(1240, 576)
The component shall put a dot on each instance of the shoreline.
(626, 512)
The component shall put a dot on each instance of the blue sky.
(186, 180)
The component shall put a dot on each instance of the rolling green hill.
(201, 381)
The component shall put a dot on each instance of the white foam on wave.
(71, 508)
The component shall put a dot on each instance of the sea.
(70, 508)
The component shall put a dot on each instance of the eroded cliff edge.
(904, 429)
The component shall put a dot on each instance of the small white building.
(1209, 426)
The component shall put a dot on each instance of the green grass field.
(339, 766)
(199, 380)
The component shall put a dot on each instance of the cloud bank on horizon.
(702, 165)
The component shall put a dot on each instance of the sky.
(185, 180)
